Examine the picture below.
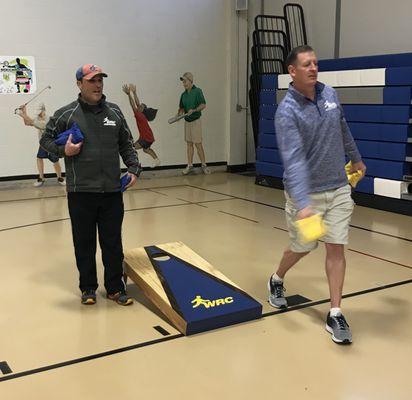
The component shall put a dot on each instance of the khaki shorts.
(193, 131)
(335, 206)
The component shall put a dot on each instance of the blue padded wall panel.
(269, 169)
(398, 76)
(397, 95)
(365, 185)
(267, 126)
(383, 150)
(380, 132)
(379, 61)
(267, 112)
(387, 169)
(386, 114)
(267, 97)
(268, 155)
(268, 141)
(269, 82)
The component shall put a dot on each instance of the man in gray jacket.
(313, 139)
(93, 181)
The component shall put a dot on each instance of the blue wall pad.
(266, 126)
(267, 112)
(268, 155)
(397, 95)
(378, 61)
(387, 169)
(269, 169)
(384, 150)
(365, 185)
(267, 141)
(380, 132)
(267, 97)
(398, 76)
(386, 114)
(269, 82)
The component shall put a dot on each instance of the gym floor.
(53, 347)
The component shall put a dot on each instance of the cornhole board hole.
(190, 292)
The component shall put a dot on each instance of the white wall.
(319, 20)
(149, 43)
(375, 27)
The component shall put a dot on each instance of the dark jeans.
(104, 212)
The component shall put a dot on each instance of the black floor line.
(161, 330)
(5, 368)
(34, 224)
(232, 197)
(32, 198)
(239, 216)
(359, 252)
(345, 296)
(380, 258)
(187, 203)
(62, 196)
(178, 336)
(67, 219)
(282, 208)
(88, 358)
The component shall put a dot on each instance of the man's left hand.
(359, 166)
(133, 180)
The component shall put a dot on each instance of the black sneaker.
(339, 329)
(277, 294)
(120, 298)
(89, 297)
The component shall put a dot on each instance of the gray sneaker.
(39, 182)
(188, 170)
(339, 329)
(277, 294)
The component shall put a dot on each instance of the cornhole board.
(190, 292)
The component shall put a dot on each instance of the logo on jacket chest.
(108, 122)
(330, 106)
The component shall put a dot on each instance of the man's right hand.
(305, 213)
(71, 149)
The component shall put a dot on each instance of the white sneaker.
(156, 163)
(61, 181)
(39, 182)
(205, 170)
(187, 170)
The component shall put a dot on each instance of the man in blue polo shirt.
(313, 138)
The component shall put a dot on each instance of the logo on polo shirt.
(330, 106)
(107, 122)
(198, 301)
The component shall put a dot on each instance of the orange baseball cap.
(88, 71)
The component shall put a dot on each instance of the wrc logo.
(198, 301)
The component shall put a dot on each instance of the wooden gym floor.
(53, 347)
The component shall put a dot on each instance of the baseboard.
(398, 206)
(234, 169)
(269, 181)
(162, 167)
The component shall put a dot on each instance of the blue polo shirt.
(313, 139)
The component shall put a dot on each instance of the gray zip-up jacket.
(313, 138)
(106, 135)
